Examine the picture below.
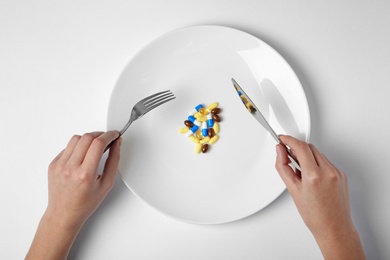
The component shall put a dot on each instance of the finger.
(82, 147)
(319, 157)
(53, 165)
(58, 156)
(287, 174)
(329, 162)
(302, 152)
(112, 162)
(70, 147)
(96, 149)
(330, 165)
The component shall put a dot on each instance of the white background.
(59, 61)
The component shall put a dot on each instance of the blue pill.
(194, 128)
(204, 129)
(198, 107)
(191, 118)
(210, 121)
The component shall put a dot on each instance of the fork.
(144, 106)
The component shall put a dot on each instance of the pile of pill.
(202, 126)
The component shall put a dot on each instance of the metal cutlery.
(255, 112)
(144, 106)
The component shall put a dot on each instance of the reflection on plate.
(236, 178)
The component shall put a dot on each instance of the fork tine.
(154, 95)
(157, 99)
(159, 103)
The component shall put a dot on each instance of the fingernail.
(120, 141)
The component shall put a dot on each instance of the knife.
(255, 112)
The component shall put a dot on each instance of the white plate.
(237, 177)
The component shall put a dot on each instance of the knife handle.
(292, 158)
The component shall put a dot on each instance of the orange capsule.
(203, 111)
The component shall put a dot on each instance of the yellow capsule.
(205, 140)
(198, 134)
(212, 106)
(198, 148)
(202, 119)
(216, 127)
(194, 139)
(183, 130)
(203, 111)
(197, 115)
(214, 139)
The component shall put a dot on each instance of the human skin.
(320, 193)
(75, 191)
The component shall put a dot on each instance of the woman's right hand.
(320, 193)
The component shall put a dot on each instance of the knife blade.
(255, 112)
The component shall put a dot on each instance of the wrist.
(342, 244)
(63, 222)
(54, 237)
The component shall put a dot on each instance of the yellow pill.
(216, 127)
(197, 115)
(204, 140)
(198, 148)
(214, 139)
(198, 134)
(202, 119)
(194, 139)
(203, 111)
(212, 106)
(183, 130)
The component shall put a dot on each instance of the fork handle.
(120, 133)
(110, 144)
